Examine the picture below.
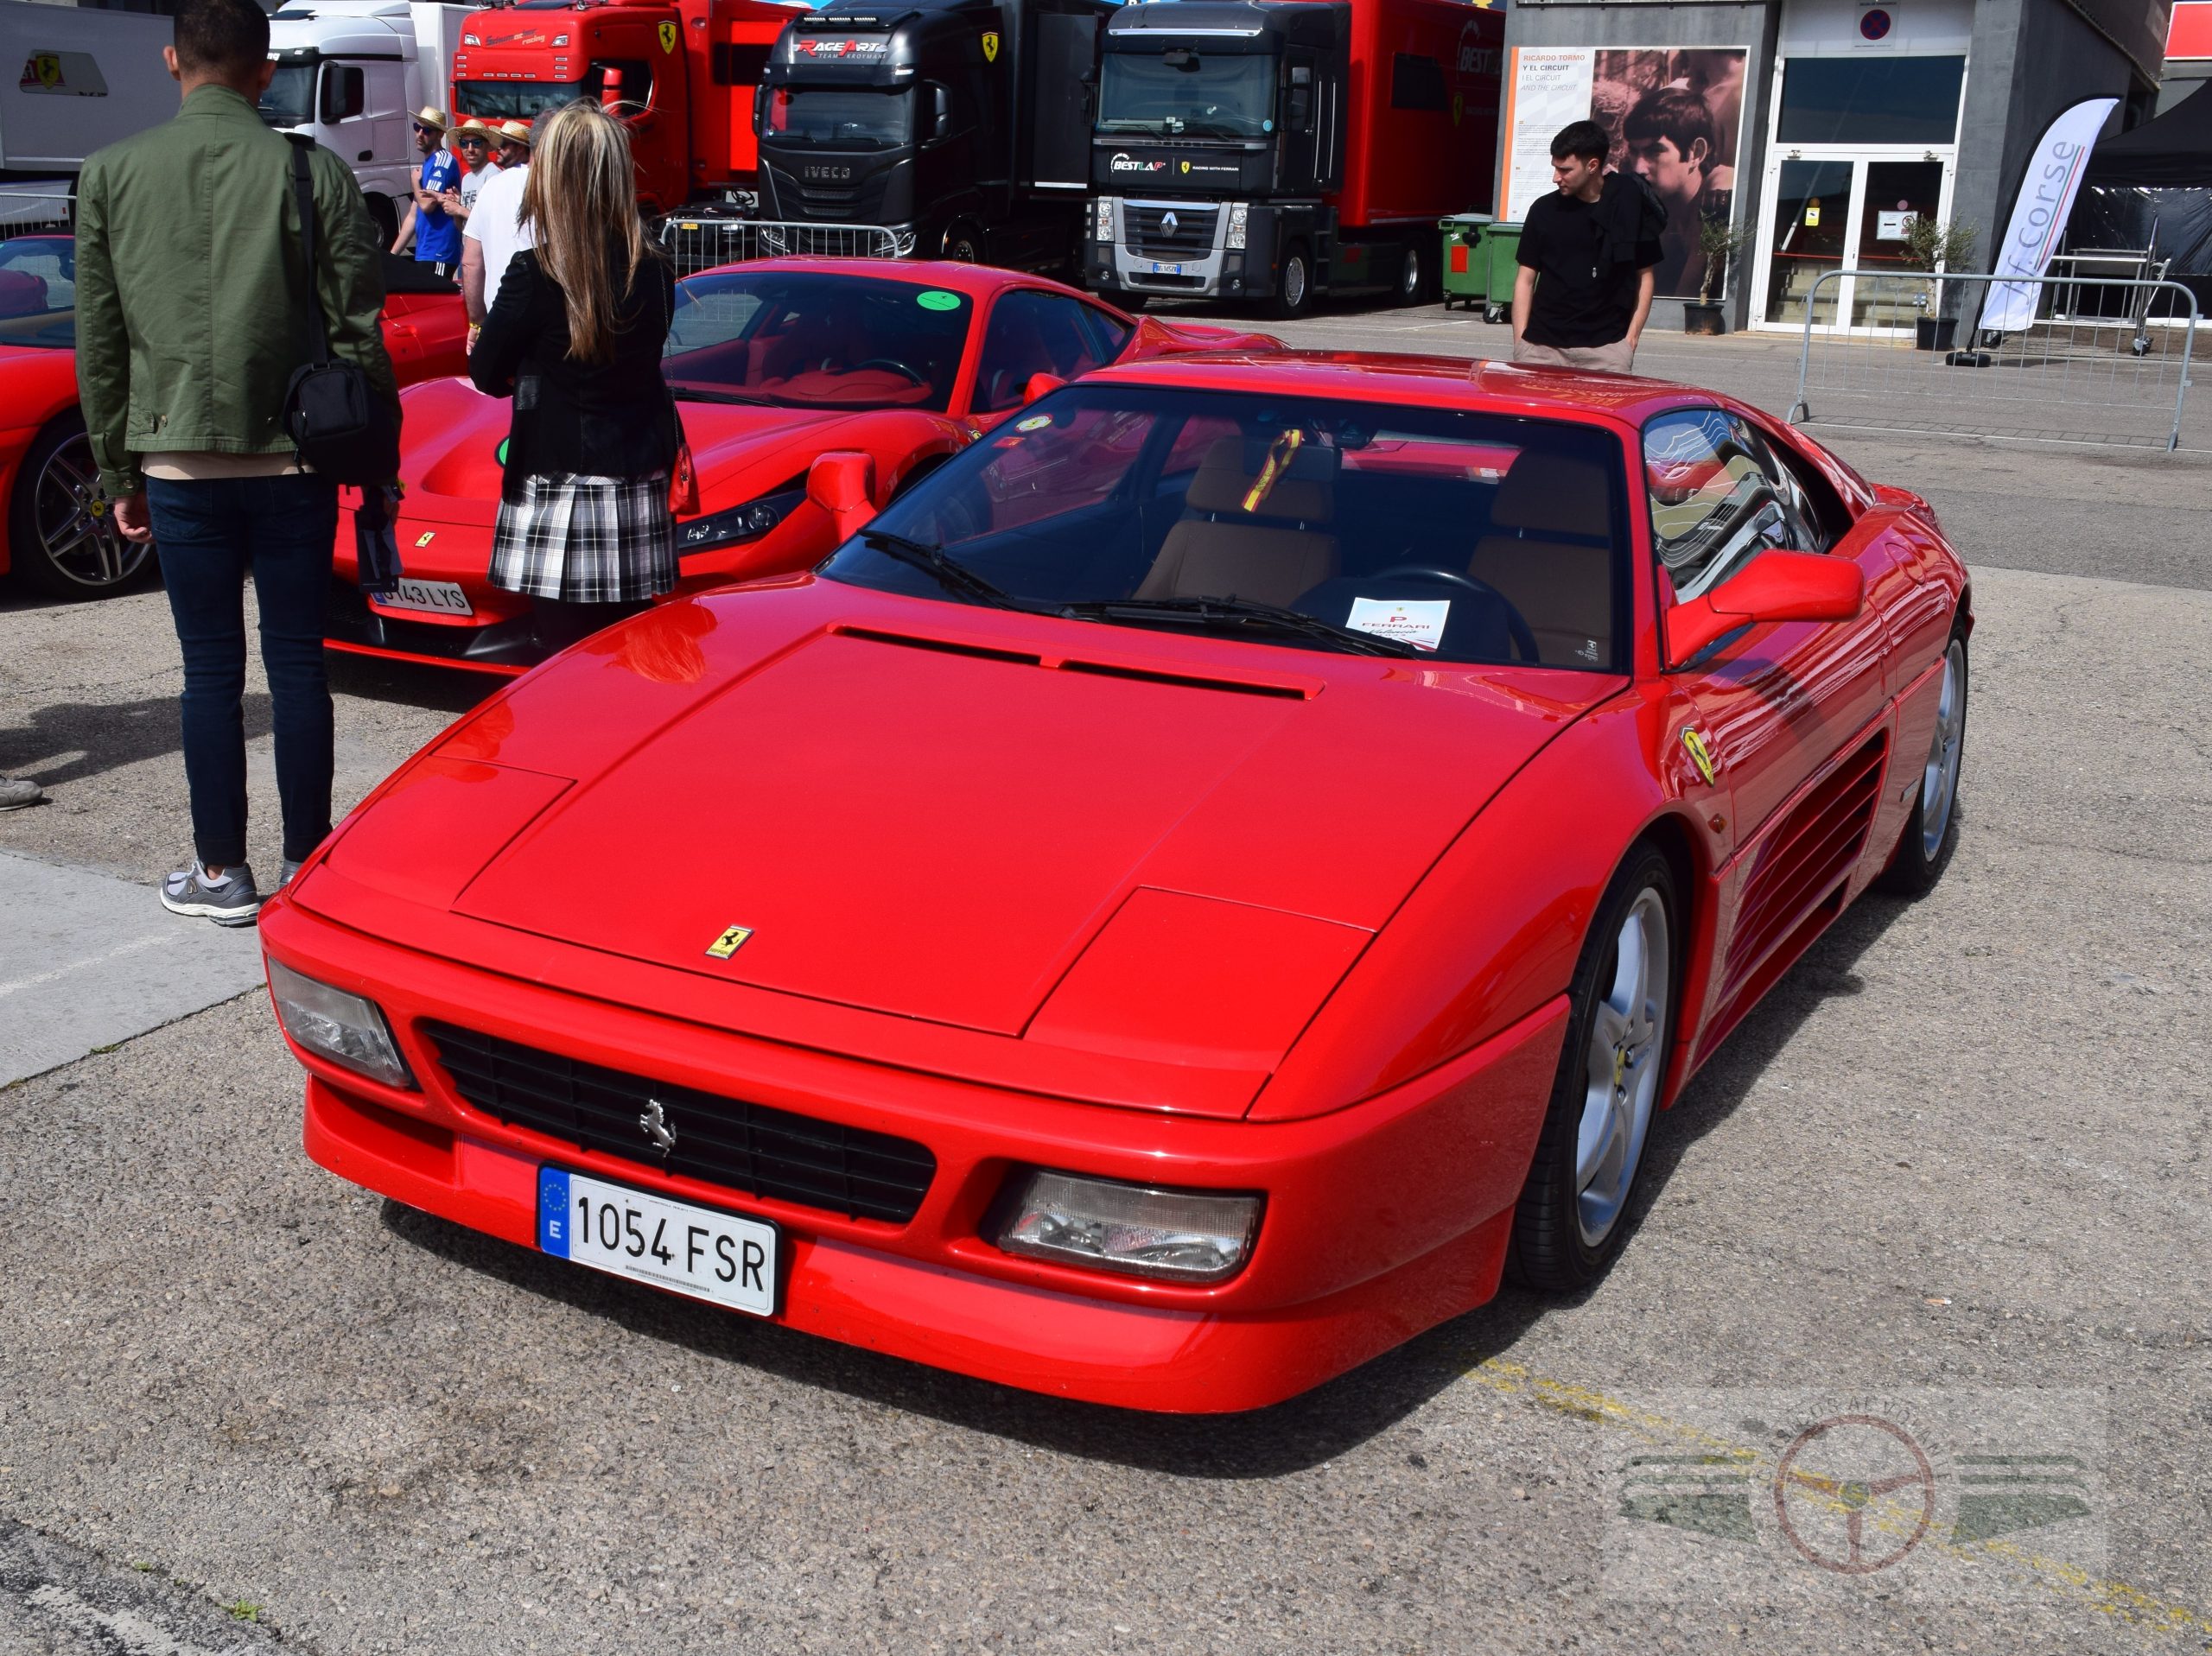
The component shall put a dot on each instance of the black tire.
(384, 212)
(963, 245)
(1128, 301)
(1413, 276)
(1491, 313)
(1550, 1251)
(1293, 293)
(1924, 851)
(56, 468)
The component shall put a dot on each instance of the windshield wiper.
(702, 394)
(950, 573)
(1234, 614)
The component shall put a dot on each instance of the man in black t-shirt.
(1587, 256)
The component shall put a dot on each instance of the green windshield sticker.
(938, 299)
(500, 452)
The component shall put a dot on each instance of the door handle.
(367, 154)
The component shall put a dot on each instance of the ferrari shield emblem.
(426, 537)
(990, 48)
(1701, 755)
(729, 943)
(668, 37)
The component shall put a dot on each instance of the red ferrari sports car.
(1177, 897)
(55, 531)
(770, 363)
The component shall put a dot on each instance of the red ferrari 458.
(1177, 897)
(770, 363)
(55, 530)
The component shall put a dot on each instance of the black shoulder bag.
(338, 426)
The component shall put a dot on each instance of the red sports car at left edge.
(55, 530)
(770, 363)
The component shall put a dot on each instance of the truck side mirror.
(610, 89)
(940, 113)
(344, 94)
(843, 483)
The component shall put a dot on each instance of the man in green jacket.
(193, 311)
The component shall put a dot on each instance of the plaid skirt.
(587, 540)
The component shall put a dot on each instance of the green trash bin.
(1466, 273)
(1500, 250)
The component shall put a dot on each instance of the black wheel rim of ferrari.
(76, 522)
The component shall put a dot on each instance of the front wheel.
(62, 532)
(1620, 1029)
(1932, 833)
(963, 245)
(1412, 283)
(1293, 284)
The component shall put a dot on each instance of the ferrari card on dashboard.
(1419, 621)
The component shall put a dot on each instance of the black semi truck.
(961, 127)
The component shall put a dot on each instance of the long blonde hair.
(582, 195)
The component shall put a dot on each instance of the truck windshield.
(516, 100)
(842, 118)
(1179, 91)
(290, 101)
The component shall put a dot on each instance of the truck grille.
(722, 1141)
(1191, 238)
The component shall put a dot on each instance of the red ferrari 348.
(769, 362)
(1178, 899)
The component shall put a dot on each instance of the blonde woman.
(575, 337)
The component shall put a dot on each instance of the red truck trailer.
(682, 72)
(1276, 149)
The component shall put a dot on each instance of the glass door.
(1812, 213)
(1895, 191)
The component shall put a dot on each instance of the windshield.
(290, 101)
(1464, 536)
(801, 339)
(514, 100)
(1211, 96)
(38, 292)
(842, 118)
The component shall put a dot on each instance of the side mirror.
(345, 94)
(940, 113)
(843, 483)
(1773, 587)
(610, 89)
(1040, 386)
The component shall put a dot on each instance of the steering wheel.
(1516, 625)
(892, 363)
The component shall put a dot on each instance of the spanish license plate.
(438, 597)
(686, 1249)
(1158, 269)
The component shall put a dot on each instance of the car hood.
(449, 456)
(933, 811)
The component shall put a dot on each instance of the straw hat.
(429, 115)
(515, 132)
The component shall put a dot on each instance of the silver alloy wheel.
(1626, 1055)
(75, 521)
(1409, 283)
(1939, 781)
(1294, 281)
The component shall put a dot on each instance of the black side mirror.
(345, 94)
(940, 113)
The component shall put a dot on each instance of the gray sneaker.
(15, 793)
(229, 901)
(284, 874)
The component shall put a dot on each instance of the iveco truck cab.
(1273, 150)
(958, 127)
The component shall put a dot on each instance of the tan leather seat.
(1563, 588)
(1273, 553)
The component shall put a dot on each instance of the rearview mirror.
(843, 483)
(1773, 587)
(1040, 385)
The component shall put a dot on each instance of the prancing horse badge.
(729, 943)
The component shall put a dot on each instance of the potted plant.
(1937, 248)
(1717, 242)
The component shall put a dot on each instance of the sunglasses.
(475, 143)
(419, 127)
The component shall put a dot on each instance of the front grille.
(1150, 237)
(722, 1141)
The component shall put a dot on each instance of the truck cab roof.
(1264, 24)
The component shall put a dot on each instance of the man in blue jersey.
(437, 236)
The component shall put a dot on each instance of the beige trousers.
(1618, 358)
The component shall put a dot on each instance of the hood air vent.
(1281, 689)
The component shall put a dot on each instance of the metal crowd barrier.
(697, 245)
(2100, 360)
(36, 212)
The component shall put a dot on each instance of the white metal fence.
(2101, 360)
(34, 213)
(697, 245)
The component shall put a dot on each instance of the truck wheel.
(1413, 280)
(1130, 301)
(384, 212)
(963, 245)
(1293, 284)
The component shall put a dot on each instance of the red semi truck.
(1276, 149)
(682, 71)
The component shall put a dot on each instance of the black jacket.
(611, 419)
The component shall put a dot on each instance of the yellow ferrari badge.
(426, 537)
(990, 48)
(1186, 165)
(1701, 755)
(668, 37)
(729, 943)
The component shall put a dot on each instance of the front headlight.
(343, 1028)
(746, 523)
(1104, 228)
(1176, 1236)
(1237, 225)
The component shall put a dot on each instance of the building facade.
(1813, 129)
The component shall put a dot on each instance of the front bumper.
(1119, 264)
(1381, 1219)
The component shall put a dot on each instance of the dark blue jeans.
(212, 534)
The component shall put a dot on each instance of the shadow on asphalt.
(104, 736)
(414, 684)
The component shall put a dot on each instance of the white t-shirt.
(471, 184)
(492, 222)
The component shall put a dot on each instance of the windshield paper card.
(1416, 621)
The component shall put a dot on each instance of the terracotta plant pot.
(1704, 318)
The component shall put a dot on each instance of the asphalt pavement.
(1949, 1180)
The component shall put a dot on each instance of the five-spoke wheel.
(62, 533)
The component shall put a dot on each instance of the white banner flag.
(2039, 213)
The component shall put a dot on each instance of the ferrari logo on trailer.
(1701, 755)
(668, 37)
(990, 48)
(729, 943)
